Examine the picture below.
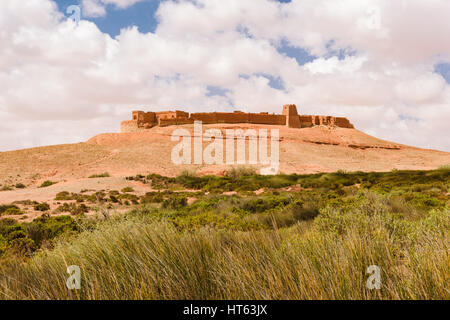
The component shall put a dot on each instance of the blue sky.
(141, 14)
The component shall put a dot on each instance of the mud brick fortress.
(146, 120)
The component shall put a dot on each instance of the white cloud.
(422, 89)
(70, 82)
(93, 8)
(334, 65)
(97, 8)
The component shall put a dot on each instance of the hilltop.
(306, 150)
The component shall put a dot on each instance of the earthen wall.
(173, 122)
(271, 119)
(344, 123)
(289, 117)
(292, 119)
(129, 126)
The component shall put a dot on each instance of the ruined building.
(145, 120)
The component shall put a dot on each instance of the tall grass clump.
(239, 172)
(141, 257)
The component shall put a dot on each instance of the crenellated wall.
(145, 120)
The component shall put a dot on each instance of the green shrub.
(99, 196)
(12, 212)
(239, 172)
(127, 189)
(47, 183)
(262, 204)
(63, 195)
(303, 210)
(26, 202)
(101, 175)
(130, 197)
(47, 228)
(20, 186)
(72, 208)
(175, 203)
(152, 197)
(42, 206)
(4, 208)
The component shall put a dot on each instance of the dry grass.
(138, 257)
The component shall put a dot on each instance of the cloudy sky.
(383, 64)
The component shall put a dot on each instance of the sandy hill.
(308, 150)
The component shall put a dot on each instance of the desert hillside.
(102, 163)
(308, 150)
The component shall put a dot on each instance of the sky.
(383, 64)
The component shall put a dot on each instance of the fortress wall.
(316, 120)
(181, 114)
(290, 118)
(136, 114)
(306, 121)
(166, 115)
(237, 117)
(206, 118)
(272, 119)
(174, 122)
(313, 120)
(149, 117)
(129, 126)
(143, 118)
(172, 114)
(344, 123)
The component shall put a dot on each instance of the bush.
(20, 186)
(47, 183)
(12, 212)
(63, 195)
(73, 208)
(127, 189)
(102, 175)
(4, 208)
(304, 211)
(14, 238)
(113, 199)
(99, 196)
(262, 204)
(175, 203)
(42, 207)
(130, 197)
(152, 197)
(239, 172)
(47, 228)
